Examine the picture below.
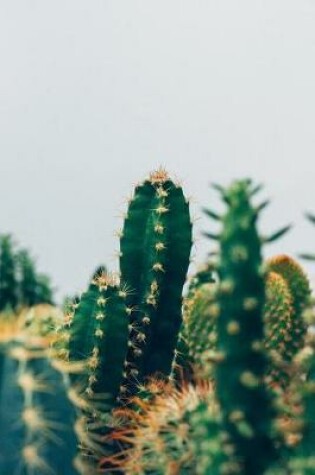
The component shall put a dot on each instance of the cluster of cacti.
(171, 433)
(123, 331)
(142, 377)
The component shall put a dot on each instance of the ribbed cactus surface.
(155, 251)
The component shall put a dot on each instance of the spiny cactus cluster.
(142, 375)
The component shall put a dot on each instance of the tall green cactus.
(33, 288)
(244, 400)
(155, 250)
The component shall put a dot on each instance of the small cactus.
(278, 319)
(299, 287)
(92, 349)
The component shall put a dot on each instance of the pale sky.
(95, 94)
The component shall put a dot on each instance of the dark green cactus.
(303, 460)
(92, 346)
(8, 277)
(155, 250)
(33, 288)
(36, 418)
(246, 408)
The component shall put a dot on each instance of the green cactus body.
(8, 278)
(37, 419)
(99, 335)
(199, 331)
(299, 287)
(245, 404)
(278, 319)
(96, 335)
(303, 460)
(155, 251)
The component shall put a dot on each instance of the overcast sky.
(96, 93)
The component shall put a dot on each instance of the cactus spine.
(155, 250)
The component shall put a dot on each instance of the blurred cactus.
(34, 288)
(303, 460)
(155, 251)
(241, 361)
(279, 339)
(34, 410)
(8, 277)
(175, 433)
(198, 336)
(299, 287)
(20, 283)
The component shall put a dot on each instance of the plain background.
(96, 93)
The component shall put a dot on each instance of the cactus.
(95, 340)
(241, 362)
(8, 278)
(155, 249)
(299, 288)
(34, 409)
(176, 432)
(198, 336)
(278, 319)
(33, 288)
(303, 460)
